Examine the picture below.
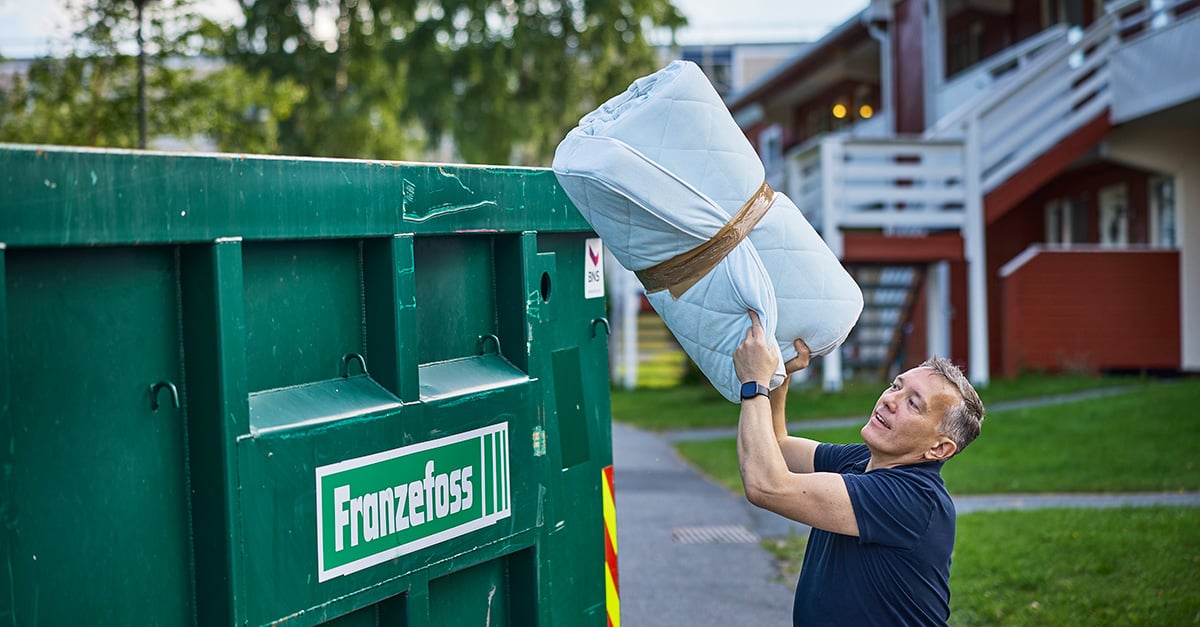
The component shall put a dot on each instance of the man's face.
(904, 422)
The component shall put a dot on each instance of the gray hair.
(962, 421)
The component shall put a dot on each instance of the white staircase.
(874, 347)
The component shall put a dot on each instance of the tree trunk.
(141, 76)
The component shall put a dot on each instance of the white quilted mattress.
(657, 171)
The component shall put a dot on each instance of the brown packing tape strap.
(679, 273)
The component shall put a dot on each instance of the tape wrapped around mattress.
(657, 171)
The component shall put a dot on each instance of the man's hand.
(800, 361)
(757, 352)
(757, 356)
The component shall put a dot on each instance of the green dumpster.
(255, 390)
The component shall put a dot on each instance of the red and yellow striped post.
(612, 587)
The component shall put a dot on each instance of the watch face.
(751, 388)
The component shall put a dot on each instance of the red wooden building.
(1014, 183)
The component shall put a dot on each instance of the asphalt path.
(671, 573)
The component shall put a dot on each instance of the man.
(883, 523)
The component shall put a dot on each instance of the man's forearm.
(760, 459)
(778, 413)
(797, 452)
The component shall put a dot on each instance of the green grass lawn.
(1068, 567)
(699, 405)
(1145, 440)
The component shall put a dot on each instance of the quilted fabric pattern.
(660, 169)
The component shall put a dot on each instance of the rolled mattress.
(661, 169)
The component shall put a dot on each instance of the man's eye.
(912, 403)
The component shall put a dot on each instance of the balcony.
(900, 186)
(1058, 318)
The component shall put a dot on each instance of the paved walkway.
(665, 582)
(689, 550)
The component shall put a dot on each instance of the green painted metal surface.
(256, 390)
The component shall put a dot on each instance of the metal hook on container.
(154, 390)
(349, 357)
(604, 321)
(483, 343)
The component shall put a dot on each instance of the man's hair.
(962, 421)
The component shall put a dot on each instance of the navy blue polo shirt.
(897, 572)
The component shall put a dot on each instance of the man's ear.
(943, 450)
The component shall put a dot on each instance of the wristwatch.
(750, 389)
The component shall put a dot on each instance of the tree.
(107, 93)
(504, 79)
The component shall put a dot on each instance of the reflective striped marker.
(612, 587)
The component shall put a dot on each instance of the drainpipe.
(878, 19)
(934, 53)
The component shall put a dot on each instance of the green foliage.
(241, 112)
(504, 79)
(89, 97)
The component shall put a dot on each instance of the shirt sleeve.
(839, 458)
(892, 509)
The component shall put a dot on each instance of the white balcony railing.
(879, 183)
(1064, 89)
(893, 184)
(1139, 17)
(961, 94)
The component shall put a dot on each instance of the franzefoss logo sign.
(375, 508)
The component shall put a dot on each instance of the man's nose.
(889, 399)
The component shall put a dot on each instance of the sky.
(754, 21)
(34, 27)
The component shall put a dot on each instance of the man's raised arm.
(816, 499)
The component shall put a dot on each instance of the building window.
(770, 148)
(864, 102)
(1114, 215)
(816, 122)
(717, 63)
(965, 47)
(1066, 221)
(1162, 212)
(1070, 12)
